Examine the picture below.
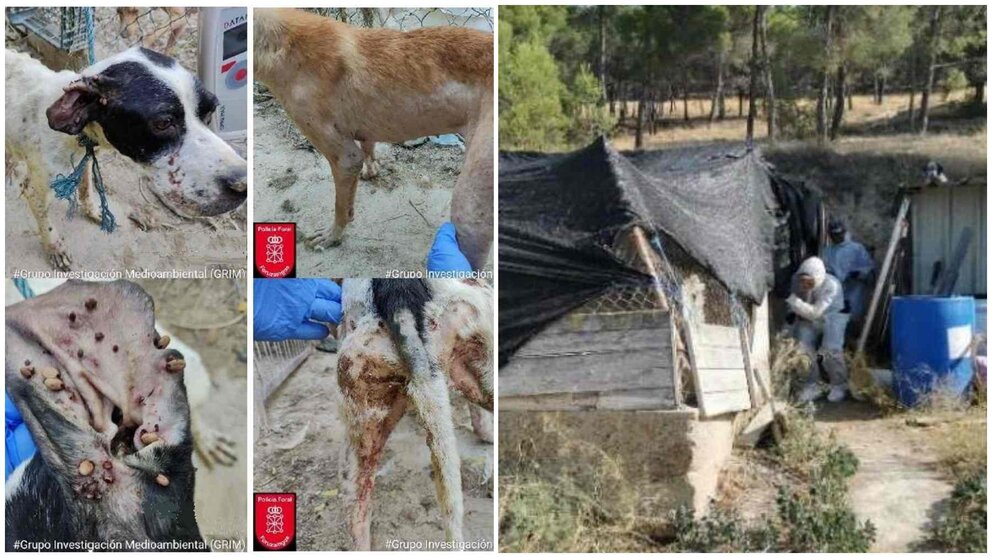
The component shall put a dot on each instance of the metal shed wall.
(938, 217)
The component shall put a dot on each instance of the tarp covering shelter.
(559, 215)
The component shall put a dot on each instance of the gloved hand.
(445, 254)
(17, 440)
(290, 308)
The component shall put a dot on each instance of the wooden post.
(655, 267)
(898, 232)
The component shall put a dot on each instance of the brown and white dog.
(347, 88)
(403, 341)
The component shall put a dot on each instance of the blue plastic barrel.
(931, 345)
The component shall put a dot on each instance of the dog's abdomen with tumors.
(104, 400)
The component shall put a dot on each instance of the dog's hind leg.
(370, 168)
(472, 199)
(429, 393)
(374, 401)
(177, 24)
(345, 158)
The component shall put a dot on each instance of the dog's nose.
(235, 182)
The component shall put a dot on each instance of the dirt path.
(302, 453)
(899, 485)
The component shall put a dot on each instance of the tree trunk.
(653, 114)
(850, 97)
(602, 51)
(821, 98)
(639, 134)
(931, 69)
(912, 91)
(881, 90)
(622, 95)
(839, 89)
(752, 108)
(685, 93)
(718, 90)
(766, 67)
(740, 102)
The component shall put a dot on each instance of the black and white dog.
(139, 102)
(105, 403)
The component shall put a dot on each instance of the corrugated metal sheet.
(939, 216)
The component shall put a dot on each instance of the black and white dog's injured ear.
(155, 112)
(77, 107)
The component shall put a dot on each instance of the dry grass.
(582, 504)
(865, 388)
(674, 131)
(789, 362)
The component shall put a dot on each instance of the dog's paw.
(325, 239)
(58, 255)
(370, 170)
(143, 219)
(212, 446)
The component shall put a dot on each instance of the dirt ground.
(304, 452)
(901, 485)
(170, 242)
(396, 213)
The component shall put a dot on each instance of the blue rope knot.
(67, 187)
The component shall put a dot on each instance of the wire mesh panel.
(68, 29)
(623, 300)
(406, 19)
(274, 362)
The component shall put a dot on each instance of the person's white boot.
(837, 394)
(810, 392)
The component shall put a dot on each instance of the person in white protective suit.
(852, 265)
(819, 320)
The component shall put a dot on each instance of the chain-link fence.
(623, 300)
(406, 19)
(171, 31)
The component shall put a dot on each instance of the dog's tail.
(401, 304)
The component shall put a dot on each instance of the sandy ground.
(303, 453)
(171, 242)
(396, 213)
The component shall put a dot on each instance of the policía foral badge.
(275, 250)
(275, 521)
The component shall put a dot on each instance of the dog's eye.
(164, 123)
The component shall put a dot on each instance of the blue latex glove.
(17, 440)
(290, 308)
(445, 254)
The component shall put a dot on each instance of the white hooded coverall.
(820, 322)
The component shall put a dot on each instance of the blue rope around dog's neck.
(67, 187)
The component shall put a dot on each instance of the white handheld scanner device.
(223, 68)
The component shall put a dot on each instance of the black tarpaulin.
(559, 215)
